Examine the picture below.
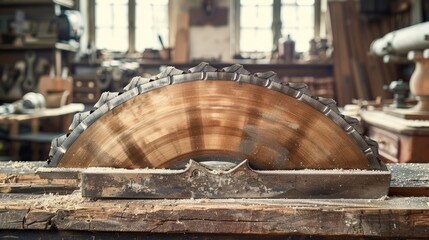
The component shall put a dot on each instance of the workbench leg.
(35, 147)
(14, 145)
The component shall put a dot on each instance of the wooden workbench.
(69, 215)
(14, 120)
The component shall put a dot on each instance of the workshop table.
(39, 208)
(14, 120)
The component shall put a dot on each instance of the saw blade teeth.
(78, 118)
(105, 97)
(372, 144)
(330, 103)
(251, 79)
(355, 123)
(135, 81)
(202, 67)
(168, 71)
(175, 71)
(275, 86)
(236, 68)
(270, 75)
(302, 87)
(55, 144)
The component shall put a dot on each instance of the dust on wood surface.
(13, 167)
(387, 217)
(410, 174)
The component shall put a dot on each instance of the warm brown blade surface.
(172, 124)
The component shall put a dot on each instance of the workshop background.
(71, 51)
(214, 119)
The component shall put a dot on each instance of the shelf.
(64, 3)
(32, 46)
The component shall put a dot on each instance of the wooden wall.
(358, 74)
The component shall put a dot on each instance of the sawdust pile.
(13, 167)
(48, 201)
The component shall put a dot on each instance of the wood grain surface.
(74, 217)
(218, 120)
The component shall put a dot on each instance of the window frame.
(234, 15)
(131, 24)
(276, 23)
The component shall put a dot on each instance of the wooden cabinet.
(399, 140)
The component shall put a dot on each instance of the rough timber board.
(394, 217)
(21, 177)
(410, 179)
(408, 114)
(196, 181)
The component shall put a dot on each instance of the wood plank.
(181, 46)
(356, 49)
(21, 177)
(29, 174)
(374, 64)
(37, 188)
(344, 89)
(394, 217)
(397, 217)
(409, 179)
(360, 81)
(197, 181)
(85, 235)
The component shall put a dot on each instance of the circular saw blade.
(215, 115)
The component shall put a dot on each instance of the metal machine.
(218, 133)
(410, 43)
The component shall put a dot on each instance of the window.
(261, 23)
(114, 28)
(111, 24)
(256, 18)
(297, 17)
(151, 22)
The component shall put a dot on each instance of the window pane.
(305, 2)
(289, 16)
(143, 19)
(120, 16)
(301, 37)
(306, 16)
(120, 39)
(256, 18)
(112, 39)
(151, 21)
(161, 15)
(248, 16)
(101, 43)
(247, 40)
(265, 16)
(252, 40)
(146, 39)
(255, 2)
(297, 18)
(288, 2)
(264, 40)
(111, 24)
(103, 16)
